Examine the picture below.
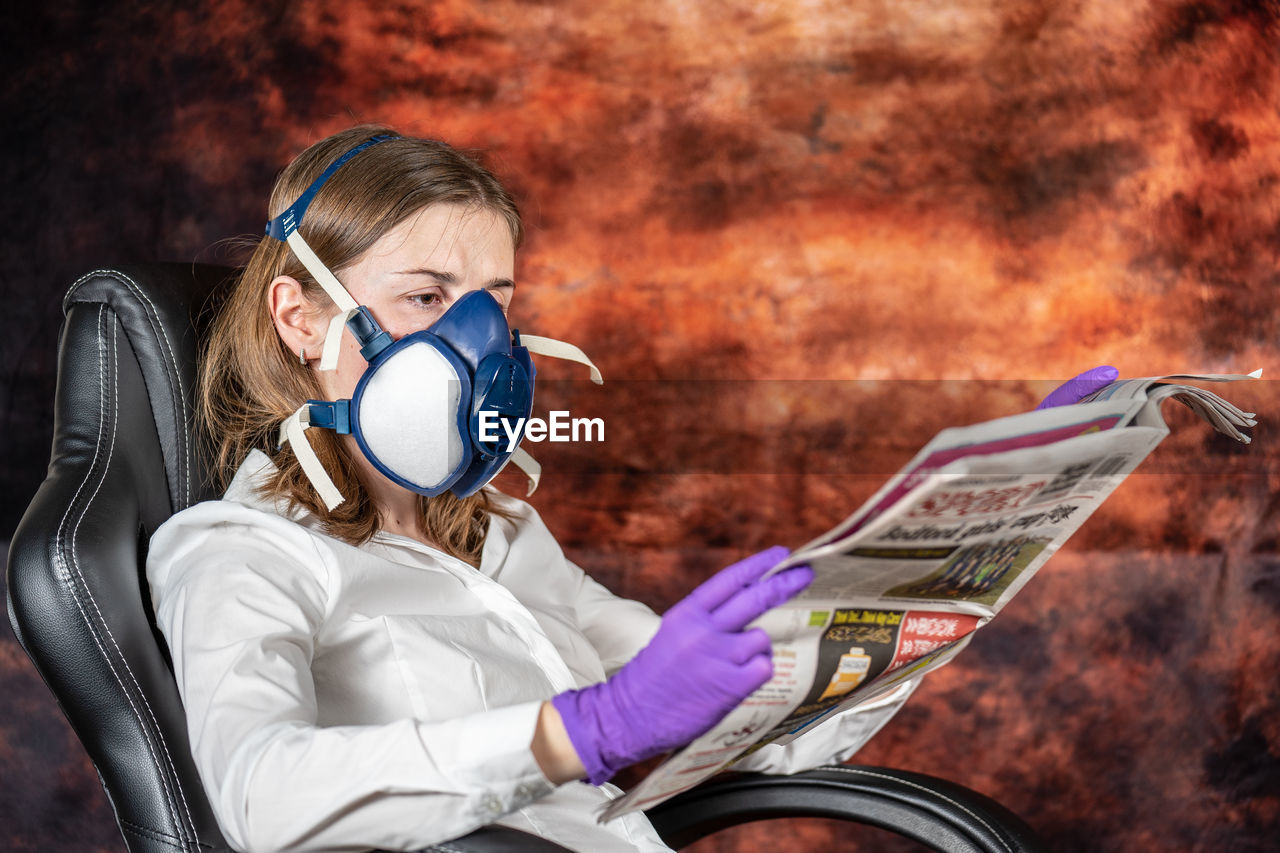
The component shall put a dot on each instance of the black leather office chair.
(124, 460)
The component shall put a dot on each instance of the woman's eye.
(426, 299)
(502, 293)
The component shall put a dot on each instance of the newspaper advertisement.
(901, 585)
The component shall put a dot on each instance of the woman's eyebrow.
(450, 278)
(442, 277)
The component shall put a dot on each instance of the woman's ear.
(298, 323)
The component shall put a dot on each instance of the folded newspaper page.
(901, 585)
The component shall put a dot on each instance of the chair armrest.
(935, 812)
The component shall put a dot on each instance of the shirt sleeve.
(616, 627)
(240, 606)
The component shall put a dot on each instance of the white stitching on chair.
(67, 568)
(177, 375)
(930, 791)
(153, 319)
(115, 354)
(151, 834)
(59, 550)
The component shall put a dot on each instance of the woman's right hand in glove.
(699, 666)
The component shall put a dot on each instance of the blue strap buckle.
(334, 415)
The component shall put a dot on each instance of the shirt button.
(523, 790)
(493, 805)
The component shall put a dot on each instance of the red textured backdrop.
(936, 208)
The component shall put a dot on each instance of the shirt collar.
(246, 488)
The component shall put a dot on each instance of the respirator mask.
(442, 409)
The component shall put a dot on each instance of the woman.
(365, 666)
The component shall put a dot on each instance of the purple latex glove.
(1074, 390)
(697, 668)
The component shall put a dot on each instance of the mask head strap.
(288, 221)
(285, 227)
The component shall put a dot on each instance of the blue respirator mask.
(439, 410)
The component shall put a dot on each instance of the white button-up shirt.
(344, 697)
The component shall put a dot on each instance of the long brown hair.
(250, 381)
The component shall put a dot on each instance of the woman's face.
(411, 276)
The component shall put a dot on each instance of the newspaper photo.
(901, 585)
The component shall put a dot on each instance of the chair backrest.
(123, 461)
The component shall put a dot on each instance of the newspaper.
(901, 585)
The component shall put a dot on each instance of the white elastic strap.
(329, 355)
(327, 280)
(294, 431)
(559, 349)
(526, 463)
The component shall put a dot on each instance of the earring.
(302, 357)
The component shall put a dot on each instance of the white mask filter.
(408, 416)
